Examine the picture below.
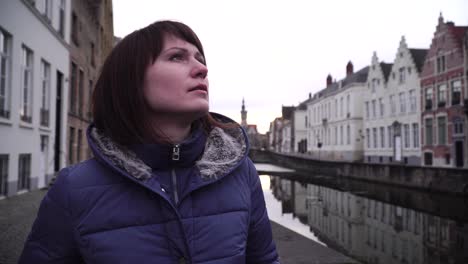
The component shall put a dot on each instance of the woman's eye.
(176, 57)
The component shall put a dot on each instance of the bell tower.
(243, 115)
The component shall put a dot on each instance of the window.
(48, 10)
(415, 135)
(441, 95)
(392, 104)
(382, 137)
(367, 110)
(71, 143)
(441, 130)
(401, 74)
(429, 132)
(341, 135)
(428, 98)
(374, 110)
(90, 107)
(80, 92)
(413, 101)
(402, 102)
(92, 54)
(5, 55)
(3, 174)
(61, 28)
(458, 127)
(382, 107)
(78, 147)
(374, 136)
(45, 98)
(341, 107)
(336, 135)
(440, 63)
(456, 92)
(336, 107)
(348, 135)
(390, 136)
(24, 171)
(74, 28)
(73, 79)
(368, 138)
(348, 102)
(26, 89)
(374, 85)
(407, 135)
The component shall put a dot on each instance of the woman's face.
(176, 83)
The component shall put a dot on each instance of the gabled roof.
(419, 56)
(386, 69)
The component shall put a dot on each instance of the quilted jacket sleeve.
(260, 246)
(51, 239)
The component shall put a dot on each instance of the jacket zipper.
(175, 156)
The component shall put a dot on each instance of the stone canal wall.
(447, 180)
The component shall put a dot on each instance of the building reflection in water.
(379, 231)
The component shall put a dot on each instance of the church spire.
(243, 114)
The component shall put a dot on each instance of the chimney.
(349, 68)
(329, 80)
(310, 95)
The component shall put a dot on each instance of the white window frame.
(5, 73)
(415, 127)
(45, 93)
(26, 99)
(402, 98)
(413, 101)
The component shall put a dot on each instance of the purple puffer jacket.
(139, 204)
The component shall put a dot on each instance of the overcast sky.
(275, 53)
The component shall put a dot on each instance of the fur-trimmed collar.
(224, 148)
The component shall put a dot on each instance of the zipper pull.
(176, 152)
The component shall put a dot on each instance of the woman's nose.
(199, 70)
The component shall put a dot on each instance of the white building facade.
(301, 123)
(335, 114)
(392, 108)
(34, 37)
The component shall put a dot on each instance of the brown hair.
(119, 107)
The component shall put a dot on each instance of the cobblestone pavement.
(17, 214)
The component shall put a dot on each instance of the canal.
(372, 223)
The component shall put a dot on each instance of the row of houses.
(413, 111)
(50, 54)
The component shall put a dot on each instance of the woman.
(169, 182)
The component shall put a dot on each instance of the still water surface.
(369, 222)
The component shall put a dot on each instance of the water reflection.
(388, 226)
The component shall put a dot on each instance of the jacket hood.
(223, 151)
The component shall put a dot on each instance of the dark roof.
(459, 33)
(386, 69)
(287, 112)
(357, 77)
(303, 105)
(419, 55)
